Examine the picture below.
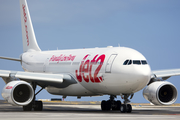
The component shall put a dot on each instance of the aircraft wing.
(165, 74)
(42, 79)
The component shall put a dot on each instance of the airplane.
(113, 71)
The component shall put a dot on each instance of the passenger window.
(125, 63)
(144, 62)
(137, 62)
(130, 62)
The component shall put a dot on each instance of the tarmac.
(67, 110)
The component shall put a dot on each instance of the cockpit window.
(130, 62)
(137, 62)
(143, 62)
(125, 62)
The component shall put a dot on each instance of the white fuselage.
(97, 71)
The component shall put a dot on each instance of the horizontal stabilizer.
(8, 58)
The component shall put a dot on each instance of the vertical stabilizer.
(28, 36)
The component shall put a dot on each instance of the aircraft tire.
(38, 106)
(27, 107)
(103, 105)
(118, 105)
(106, 105)
(129, 108)
(123, 108)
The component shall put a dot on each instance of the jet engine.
(18, 93)
(160, 93)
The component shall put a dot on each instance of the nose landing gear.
(126, 107)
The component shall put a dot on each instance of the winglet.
(28, 36)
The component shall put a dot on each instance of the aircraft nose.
(143, 74)
(144, 71)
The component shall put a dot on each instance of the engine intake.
(18, 93)
(160, 93)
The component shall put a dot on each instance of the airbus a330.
(113, 71)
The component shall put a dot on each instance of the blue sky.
(150, 26)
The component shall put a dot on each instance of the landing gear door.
(110, 62)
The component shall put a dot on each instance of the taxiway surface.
(88, 111)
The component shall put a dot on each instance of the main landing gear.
(111, 104)
(36, 105)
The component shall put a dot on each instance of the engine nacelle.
(18, 93)
(161, 93)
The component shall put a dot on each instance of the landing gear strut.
(36, 105)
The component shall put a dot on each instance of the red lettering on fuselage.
(62, 58)
(85, 69)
